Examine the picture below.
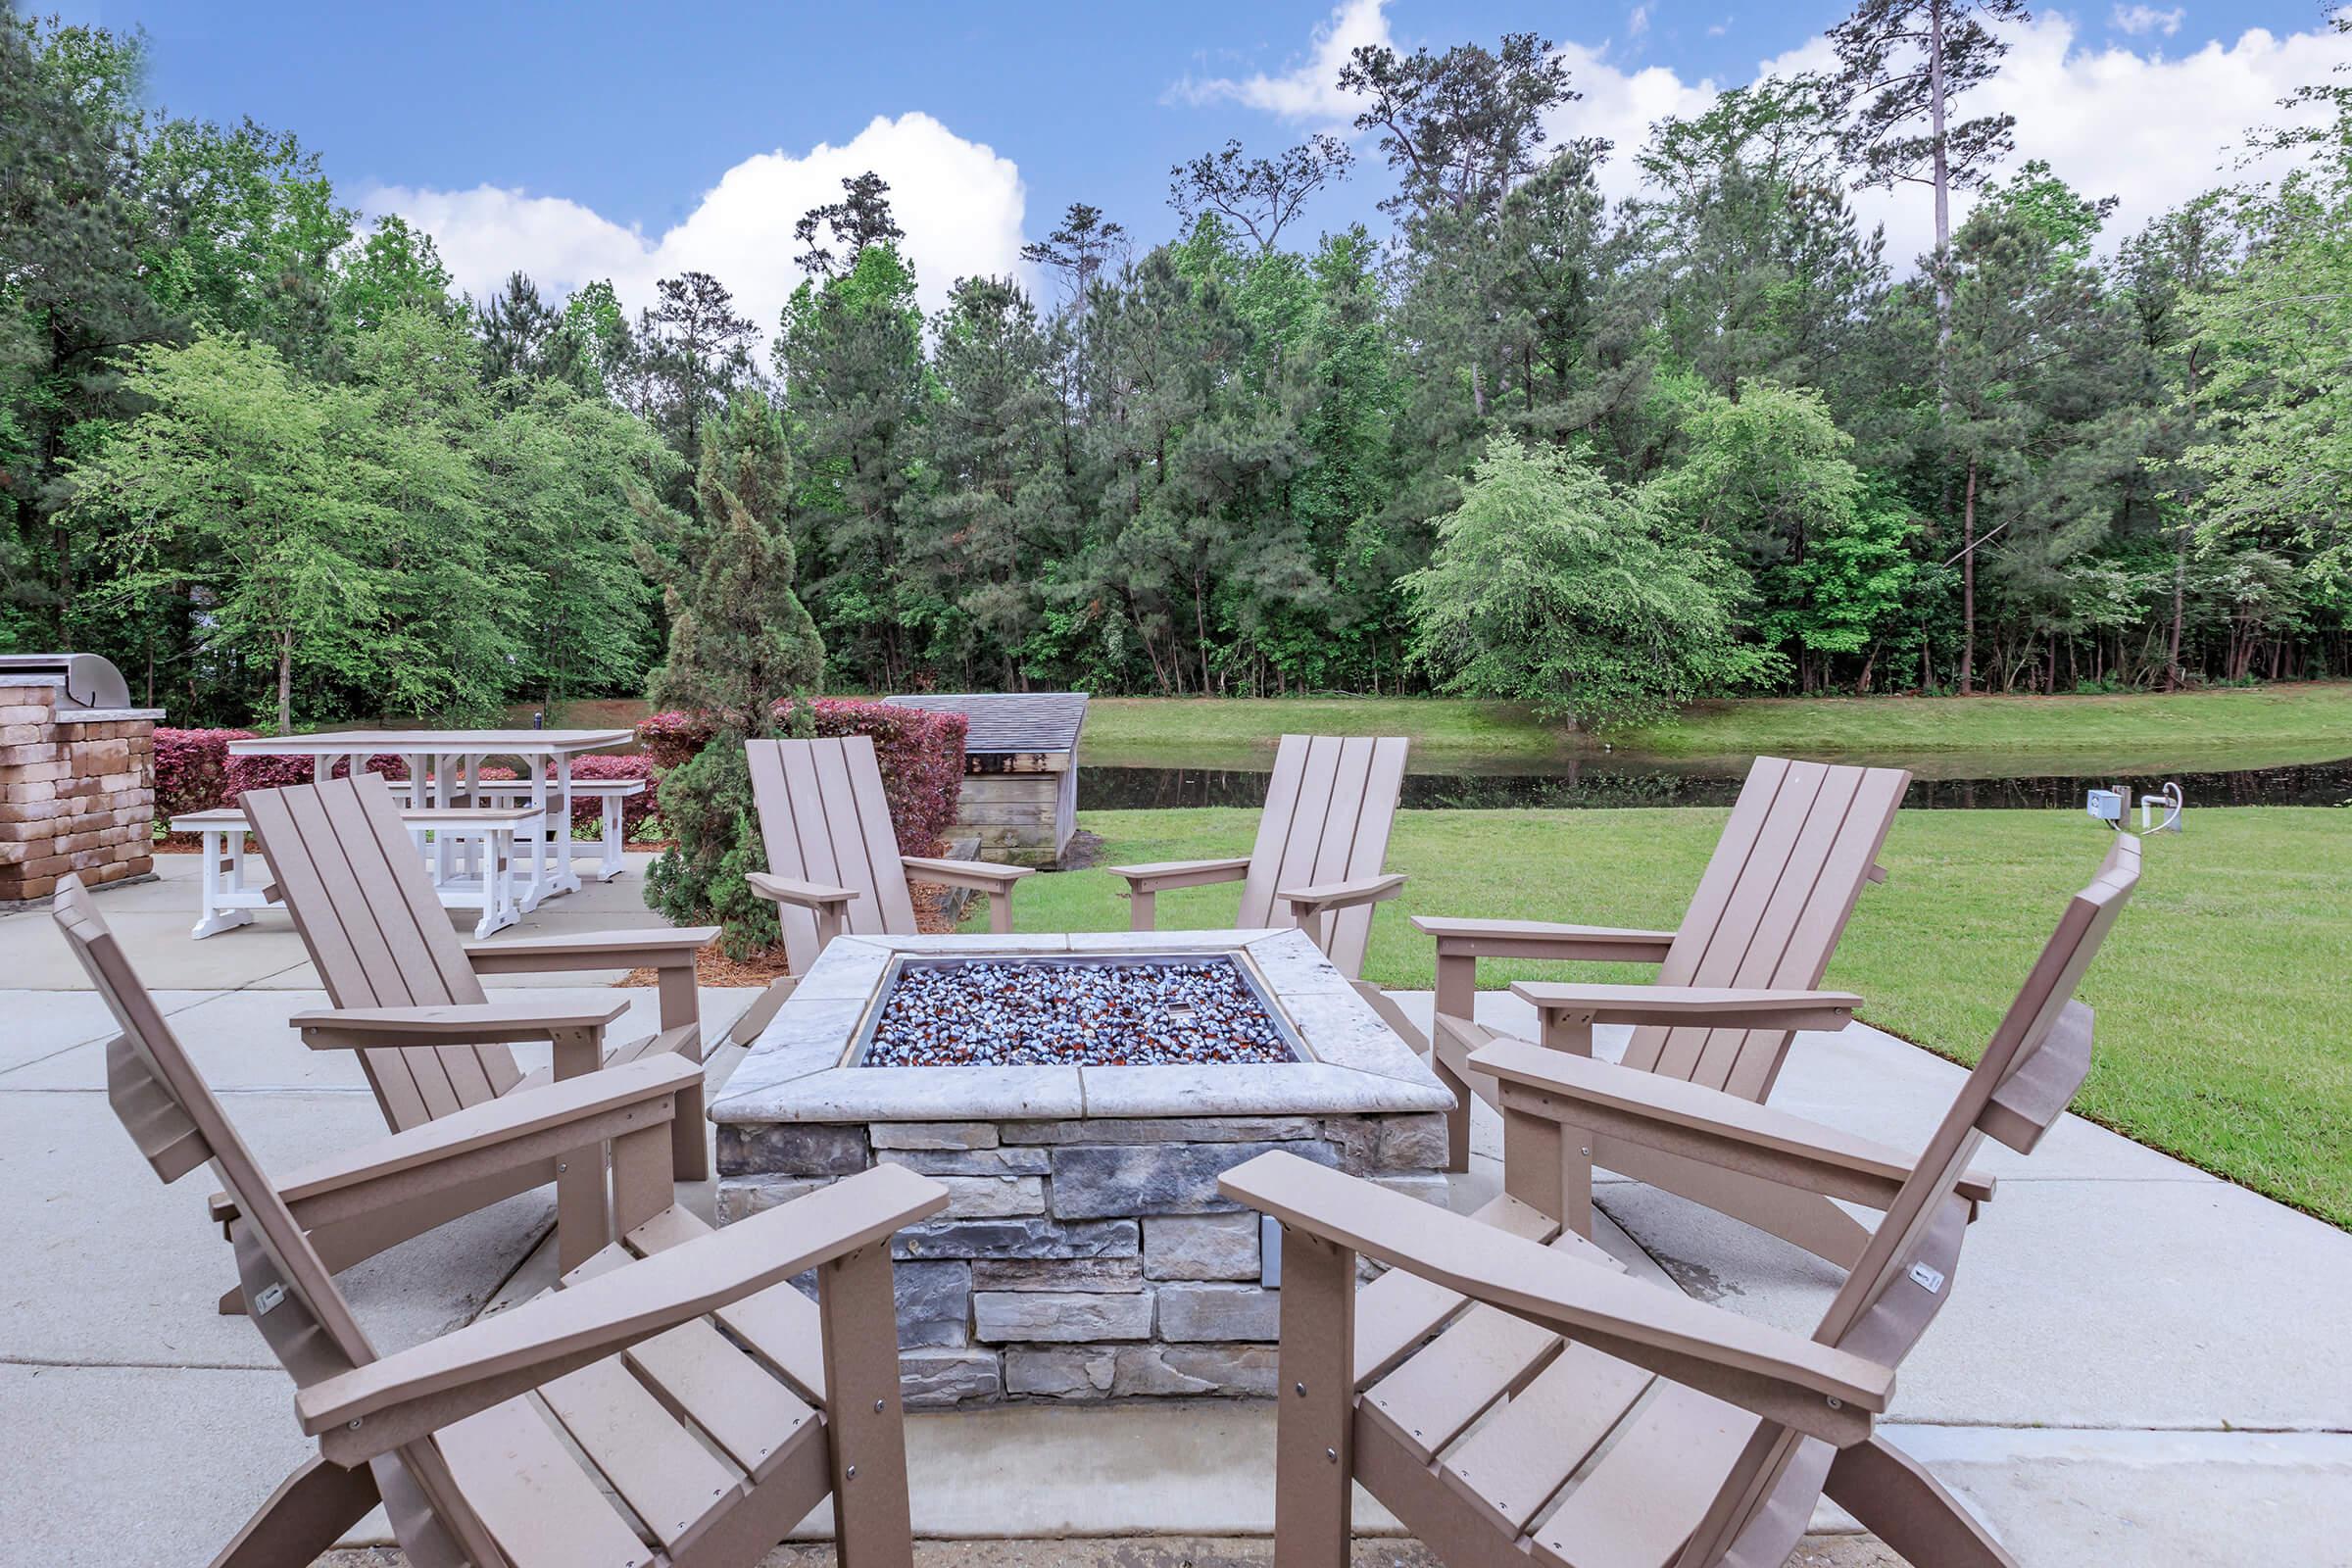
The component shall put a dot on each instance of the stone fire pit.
(1080, 1095)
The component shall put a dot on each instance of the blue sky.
(559, 137)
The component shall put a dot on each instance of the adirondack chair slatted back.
(826, 818)
(350, 875)
(2036, 1060)
(1776, 896)
(1329, 808)
(177, 1125)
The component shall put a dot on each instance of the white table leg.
(215, 915)
(437, 767)
(500, 847)
(613, 865)
(567, 880)
(532, 835)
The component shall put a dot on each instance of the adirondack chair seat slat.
(1517, 1460)
(778, 1323)
(1644, 1495)
(1395, 1312)
(532, 1497)
(668, 1479)
(1481, 1356)
(1586, 1420)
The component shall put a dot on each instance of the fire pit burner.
(1046, 1012)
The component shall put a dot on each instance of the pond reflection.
(1584, 785)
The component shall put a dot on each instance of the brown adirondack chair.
(1734, 983)
(408, 995)
(1320, 843)
(1567, 1414)
(833, 861)
(716, 1442)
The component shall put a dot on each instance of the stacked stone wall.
(1083, 1260)
(76, 793)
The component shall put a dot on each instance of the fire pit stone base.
(1084, 1253)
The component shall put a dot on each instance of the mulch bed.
(712, 967)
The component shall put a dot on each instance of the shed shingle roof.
(1010, 721)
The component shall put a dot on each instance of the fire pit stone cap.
(799, 1070)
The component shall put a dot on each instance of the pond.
(1716, 782)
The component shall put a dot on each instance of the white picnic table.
(445, 768)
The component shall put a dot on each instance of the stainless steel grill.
(90, 682)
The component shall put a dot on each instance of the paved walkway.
(2139, 1365)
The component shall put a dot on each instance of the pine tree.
(740, 646)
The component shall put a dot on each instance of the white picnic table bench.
(610, 792)
(497, 846)
(233, 888)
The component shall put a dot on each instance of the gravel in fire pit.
(1032, 1013)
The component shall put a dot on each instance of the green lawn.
(2242, 727)
(2288, 724)
(1226, 732)
(2220, 996)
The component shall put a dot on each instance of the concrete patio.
(2139, 1365)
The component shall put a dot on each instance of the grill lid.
(88, 680)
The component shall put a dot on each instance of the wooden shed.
(1020, 771)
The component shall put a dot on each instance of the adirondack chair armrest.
(1462, 943)
(479, 1023)
(1158, 876)
(481, 1140)
(1816, 1389)
(645, 947)
(1308, 902)
(807, 895)
(982, 876)
(1723, 1130)
(1716, 1007)
(373, 1409)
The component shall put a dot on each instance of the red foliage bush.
(920, 753)
(191, 770)
(276, 772)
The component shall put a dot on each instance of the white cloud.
(2138, 19)
(2151, 131)
(2111, 121)
(1636, 22)
(1622, 104)
(960, 204)
(1309, 90)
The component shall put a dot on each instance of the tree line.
(1526, 441)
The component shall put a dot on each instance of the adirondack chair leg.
(310, 1511)
(1142, 914)
(583, 1213)
(1457, 986)
(1909, 1510)
(866, 1431)
(1314, 1451)
(1548, 1166)
(680, 1006)
(1457, 1116)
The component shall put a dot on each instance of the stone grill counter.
(76, 788)
(1084, 1253)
